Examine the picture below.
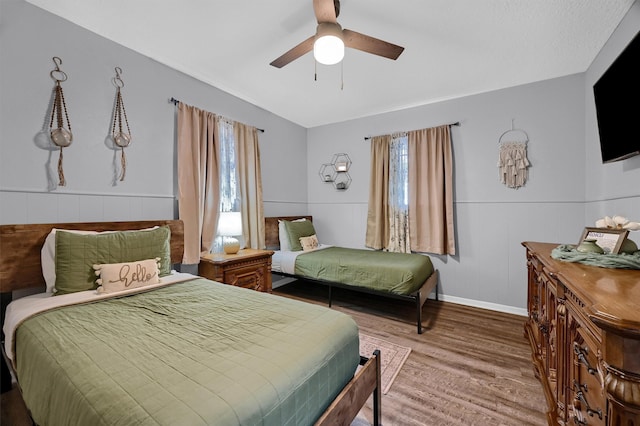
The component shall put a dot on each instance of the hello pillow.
(114, 277)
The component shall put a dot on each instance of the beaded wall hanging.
(121, 138)
(61, 136)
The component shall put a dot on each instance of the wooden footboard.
(422, 295)
(348, 403)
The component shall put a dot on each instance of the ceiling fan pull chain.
(315, 70)
(341, 75)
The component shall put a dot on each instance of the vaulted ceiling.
(453, 48)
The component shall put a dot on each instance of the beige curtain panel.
(198, 179)
(431, 224)
(250, 181)
(377, 236)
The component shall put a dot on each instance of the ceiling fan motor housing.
(328, 47)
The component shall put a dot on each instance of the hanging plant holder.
(61, 136)
(120, 138)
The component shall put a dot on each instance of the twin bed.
(410, 277)
(178, 349)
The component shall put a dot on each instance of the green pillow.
(295, 230)
(77, 253)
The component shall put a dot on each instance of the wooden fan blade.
(294, 53)
(326, 10)
(372, 45)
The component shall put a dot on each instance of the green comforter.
(399, 273)
(193, 353)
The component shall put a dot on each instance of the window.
(399, 194)
(229, 186)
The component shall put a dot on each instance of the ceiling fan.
(330, 39)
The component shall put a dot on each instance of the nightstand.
(249, 268)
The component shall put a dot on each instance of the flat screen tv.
(617, 100)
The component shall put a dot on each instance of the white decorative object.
(229, 227)
(513, 163)
(617, 222)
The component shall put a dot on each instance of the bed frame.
(21, 269)
(418, 297)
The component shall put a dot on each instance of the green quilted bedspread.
(399, 273)
(193, 353)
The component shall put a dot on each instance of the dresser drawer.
(249, 268)
(249, 276)
(587, 399)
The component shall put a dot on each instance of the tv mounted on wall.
(617, 100)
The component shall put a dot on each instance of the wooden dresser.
(249, 268)
(584, 331)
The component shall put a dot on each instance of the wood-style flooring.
(469, 367)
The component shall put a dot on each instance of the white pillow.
(48, 254)
(284, 236)
(114, 277)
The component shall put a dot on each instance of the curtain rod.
(457, 123)
(175, 102)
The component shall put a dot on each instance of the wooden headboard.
(271, 234)
(20, 247)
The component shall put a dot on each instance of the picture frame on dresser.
(609, 239)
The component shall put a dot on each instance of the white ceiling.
(453, 48)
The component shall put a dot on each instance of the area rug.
(392, 357)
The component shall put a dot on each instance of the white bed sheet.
(284, 261)
(25, 307)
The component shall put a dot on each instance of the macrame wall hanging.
(61, 136)
(121, 138)
(512, 158)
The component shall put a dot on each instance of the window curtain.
(198, 179)
(250, 183)
(377, 236)
(431, 223)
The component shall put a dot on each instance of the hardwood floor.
(469, 367)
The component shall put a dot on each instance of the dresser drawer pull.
(581, 353)
(580, 397)
(579, 421)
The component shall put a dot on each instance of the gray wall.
(568, 186)
(491, 219)
(29, 38)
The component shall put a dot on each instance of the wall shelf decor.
(337, 171)
(327, 173)
(342, 181)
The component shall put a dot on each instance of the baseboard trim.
(483, 305)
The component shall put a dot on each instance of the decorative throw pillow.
(283, 236)
(309, 243)
(48, 256)
(76, 254)
(295, 230)
(114, 277)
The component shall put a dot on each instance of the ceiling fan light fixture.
(328, 47)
